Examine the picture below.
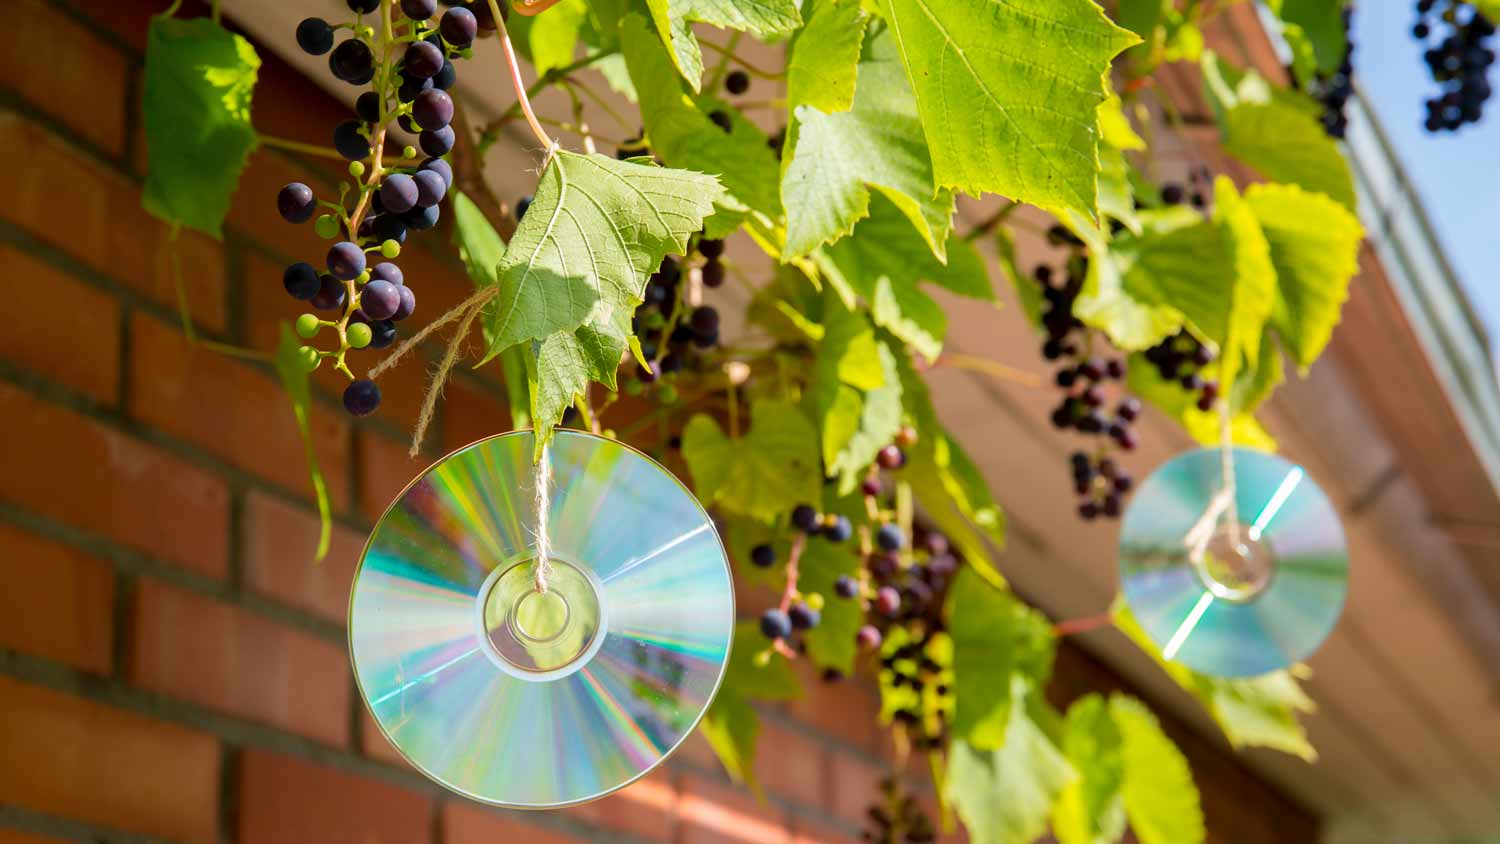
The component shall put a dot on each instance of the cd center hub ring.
(540, 636)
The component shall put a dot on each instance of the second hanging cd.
(539, 699)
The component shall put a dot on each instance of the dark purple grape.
(802, 616)
(737, 82)
(805, 518)
(411, 88)
(363, 7)
(774, 624)
(421, 219)
(721, 119)
(440, 167)
(763, 556)
(330, 294)
(890, 537)
(407, 124)
(868, 638)
(436, 141)
(871, 486)
(713, 274)
(408, 304)
(846, 586)
(361, 397)
(433, 109)
(458, 27)
(422, 60)
(446, 78)
(367, 107)
(891, 457)
(887, 600)
(711, 249)
(380, 299)
(839, 530)
(301, 281)
(387, 271)
(419, 10)
(296, 203)
(389, 227)
(1129, 409)
(522, 205)
(350, 143)
(346, 260)
(314, 36)
(352, 62)
(398, 193)
(382, 333)
(704, 320)
(430, 188)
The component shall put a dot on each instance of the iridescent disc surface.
(532, 700)
(1234, 603)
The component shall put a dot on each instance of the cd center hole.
(1236, 571)
(541, 616)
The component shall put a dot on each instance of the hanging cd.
(539, 699)
(1233, 586)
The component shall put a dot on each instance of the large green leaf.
(1005, 796)
(682, 134)
(196, 93)
(1321, 23)
(820, 65)
(550, 41)
(1161, 799)
(673, 20)
(994, 636)
(1008, 92)
(1253, 712)
(480, 247)
(1105, 303)
(732, 726)
(838, 157)
(1146, 383)
(1090, 810)
(293, 374)
(855, 393)
(1314, 245)
(762, 474)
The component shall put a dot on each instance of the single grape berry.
(713, 274)
(421, 219)
(721, 119)
(704, 320)
(306, 325)
(387, 271)
(296, 203)
(422, 60)
(398, 193)
(1129, 409)
(367, 107)
(890, 537)
(871, 486)
(436, 141)
(301, 281)
(737, 82)
(458, 26)
(805, 518)
(346, 260)
(361, 397)
(763, 556)
(887, 600)
(440, 167)
(433, 109)
(388, 227)
(350, 143)
(382, 333)
(838, 530)
(868, 638)
(802, 616)
(846, 586)
(330, 295)
(359, 334)
(419, 10)
(446, 78)
(363, 7)
(352, 62)
(315, 36)
(774, 624)
(430, 188)
(891, 457)
(711, 249)
(410, 88)
(408, 304)
(522, 206)
(380, 299)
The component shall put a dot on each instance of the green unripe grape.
(356, 168)
(359, 335)
(363, 277)
(666, 393)
(390, 249)
(409, 152)
(309, 357)
(814, 601)
(634, 387)
(762, 658)
(307, 325)
(327, 226)
(653, 321)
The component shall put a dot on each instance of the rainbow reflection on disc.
(539, 700)
(1234, 603)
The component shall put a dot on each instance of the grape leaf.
(1161, 799)
(1276, 131)
(1008, 92)
(831, 644)
(196, 92)
(1005, 796)
(550, 41)
(1090, 810)
(1314, 245)
(1146, 383)
(838, 157)
(762, 474)
(480, 248)
(561, 367)
(293, 374)
(674, 19)
(995, 637)
(820, 65)
(856, 393)
(1104, 302)
(1253, 712)
(1321, 23)
(681, 133)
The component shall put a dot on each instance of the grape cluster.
(897, 818)
(1184, 359)
(1459, 61)
(1333, 90)
(676, 336)
(373, 216)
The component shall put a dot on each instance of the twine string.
(1226, 469)
(543, 568)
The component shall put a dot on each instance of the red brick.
(70, 468)
(471, 412)
(93, 213)
(231, 409)
(385, 471)
(254, 208)
(791, 764)
(847, 710)
(374, 744)
(16, 836)
(57, 602)
(468, 823)
(808, 831)
(84, 82)
(217, 655)
(59, 327)
(281, 541)
(698, 751)
(285, 800)
(86, 761)
(710, 813)
(854, 785)
(646, 808)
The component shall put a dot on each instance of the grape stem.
(985, 366)
(729, 53)
(304, 148)
(1087, 624)
(724, 58)
(490, 132)
(793, 558)
(515, 80)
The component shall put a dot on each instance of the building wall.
(172, 662)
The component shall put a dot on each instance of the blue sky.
(1457, 174)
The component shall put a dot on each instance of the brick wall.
(172, 664)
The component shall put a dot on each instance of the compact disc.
(1233, 591)
(531, 699)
